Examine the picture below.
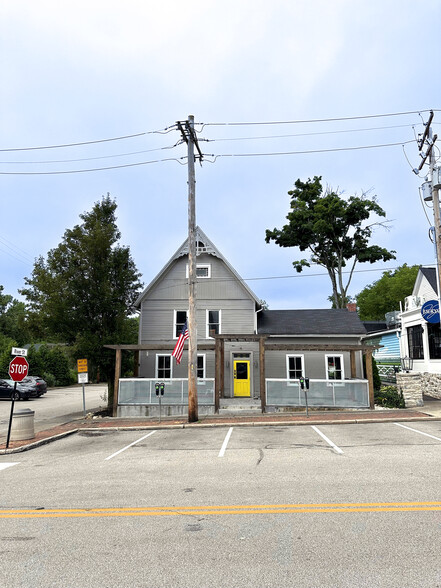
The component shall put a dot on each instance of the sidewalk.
(431, 411)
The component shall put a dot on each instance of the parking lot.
(327, 505)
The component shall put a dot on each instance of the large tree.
(385, 294)
(83, 292)
(333, 230)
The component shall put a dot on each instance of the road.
(332, 506)
(57, 406)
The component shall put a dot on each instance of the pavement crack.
(261, 455)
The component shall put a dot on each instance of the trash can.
(22, 426)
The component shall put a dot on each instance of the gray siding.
(220, 292)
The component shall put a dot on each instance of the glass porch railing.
(321, 393)
(142, 391)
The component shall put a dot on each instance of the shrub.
(389, 397)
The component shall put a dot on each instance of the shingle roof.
(375, 326)
(309, 322)
(430, 274)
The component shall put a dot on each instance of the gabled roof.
(430, 274)
(203, 245)
(309, 322)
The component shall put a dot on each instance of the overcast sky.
(86, 71)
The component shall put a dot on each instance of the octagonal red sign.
(18, 369)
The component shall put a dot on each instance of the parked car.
(36, 385)
(7, 390)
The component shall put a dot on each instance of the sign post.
(83, 378)
(18, 370)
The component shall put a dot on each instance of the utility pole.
(189, 136)
(430, 139)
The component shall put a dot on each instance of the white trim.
(207, 332)
(207, 265)
(341, 356)
(171, 364)
(204, 356)
(302, 358)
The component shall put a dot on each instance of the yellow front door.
(241, 377)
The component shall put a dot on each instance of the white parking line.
(134, 443)
(333, 445)
(225, 443)
(416, 431)
(5, 465)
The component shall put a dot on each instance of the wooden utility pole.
(192, 325)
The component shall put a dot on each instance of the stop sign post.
(18, 370)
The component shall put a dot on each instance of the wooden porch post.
(370, 377)
(217, 374)
(222, 368)
(136, 364)
(353, 366)
(262, 373)
(116, 382)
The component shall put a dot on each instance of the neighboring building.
(246, 348)
(421, 340)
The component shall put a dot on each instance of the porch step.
(242, 406)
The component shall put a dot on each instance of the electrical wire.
(307, 134)
(320, 120)
(80, 171)
(336, 149)
(92, 158)
(121, 138)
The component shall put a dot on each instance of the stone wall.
(411, 386)
(431, 384)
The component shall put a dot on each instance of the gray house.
(244, 351)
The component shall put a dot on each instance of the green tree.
(13, 320)
(385, 294)
(83, 292)
(332, 229)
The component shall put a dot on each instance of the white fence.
(321, 393)
(141, 391)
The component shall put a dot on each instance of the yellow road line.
(152, 511)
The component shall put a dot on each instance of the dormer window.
(203, 270)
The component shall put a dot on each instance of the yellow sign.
(82, 365)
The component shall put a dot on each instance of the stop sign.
(18, 368)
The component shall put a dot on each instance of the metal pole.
(192, 326)
(84, 402)
(10, 416)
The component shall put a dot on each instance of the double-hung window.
(213, 323)
(334, 367)
(163, 367)
(180, 319)
(415, 340)
(294, 367)
(201, 367)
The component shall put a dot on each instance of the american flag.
(179, 347)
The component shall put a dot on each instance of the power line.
(308, 134)
(319, 120)
(306, 152)
(80, 171)
(121, 138)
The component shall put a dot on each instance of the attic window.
(203, 270)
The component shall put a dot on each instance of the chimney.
(351, 306)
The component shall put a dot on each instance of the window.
(415, 340)
(294, 367)
(180, 320)
(163, 367)
(334, 367)
(434, 333)
(203, 270)
(213, 323)
(201, 367)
